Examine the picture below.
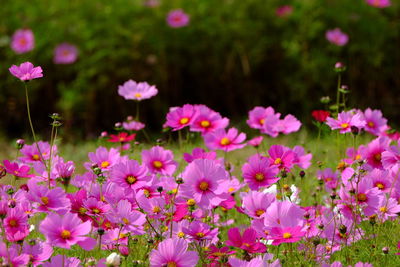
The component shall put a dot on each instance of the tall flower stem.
(338, 92)
(137, 110)
(31, 125)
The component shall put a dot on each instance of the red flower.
(121, 138)
(320, 115)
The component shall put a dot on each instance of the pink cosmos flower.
(131, 125)
(255, 262)
(19, 171)
(103, 158)
(388, 208)
(207, 120)
(66, 231)
(227, 141)
(129, 175)
(62, 260)
(173, 252)
(177, 18)
(26, 71)
(255, 204)
(31, 153)
(22, 41)
(337, 37)
(301, 159)
(12, 256)
(379, 3)
(284, 11)
(65, 53)
(345, 120)
(391, 157)
(286, 234)
(259, 172)
(94, 207)
(329, 177)
(48, 199)
(199, 153)
(122, 137)
(180, 117)
(16, 221)
(247, 241)
(281, 156)
(256, 141)
(283, 214)
(130, 219)
(199, 231)
(159, 160)
(204, 183)
(375, 123)
(38, 252)
(286, 126)
(258, 116)
(372, 153)
(138, 91)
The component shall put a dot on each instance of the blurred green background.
(233, 55)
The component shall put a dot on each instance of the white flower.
(113, 259)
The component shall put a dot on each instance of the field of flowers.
(204, 190)
(177, 202)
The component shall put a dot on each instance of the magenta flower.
(95, 207)
(65, 54)
(48, 199)
(372, 153)
(301, 159)
(388, 208)
(38, 252)
(199, 153)
(258, 116)
(337, 37)
(255, 262)
(345, 120)
(329, 177)
(12, 256)
(103, 158)
(283, 214)
(66, 231)
(255, 204)
(379, 3)
(227, 141)
(129, 175)
(130, 219)
(138, 91)
(177, 18)
(19, 171)
(281, 156)
(259, 172)
(207, 120)
(284, 11)
(159, 160)
(204, 182)
(247, 241)
(256, 141)
(286, 234)
(26, 71)
(132, 125)
(180, 117)
(199, 231)
(391, 157)
(16, 221)
(31, 153)
(173, 252)
(62, 260)
(22, 41)
(375, 123)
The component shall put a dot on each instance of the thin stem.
(31, 125)
(137, 110)
(52, 140)
(338, 93)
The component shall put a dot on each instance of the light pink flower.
(337, 37)
(26, 71)
(207, 120)
(138, 91)
(379, 3)
(177, 18)
(286, 234)
(180, 117)
(173, 252)
(345, 120)
(227, 141)
(159, 160)
(65, 53)
(22, 41)
(259, 172)
(284, 11)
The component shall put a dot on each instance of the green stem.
(52, 140)
(338, 93)
(137, 110)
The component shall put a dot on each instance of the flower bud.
(20, 143)
(113, 259)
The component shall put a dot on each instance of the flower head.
(26, 71)
(225, 140)
(65, 54)
(379, 3)
(173, 252)
(122, 137)
(22, 41)
(177, 18)
(320, 115)
(159, 160)
(138, 91)
(337, 37)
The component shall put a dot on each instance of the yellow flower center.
(13, 223)
(361, 197)
(341, 166)
(65, 234)
(383, 209)
(171, 264)
(259, 177)
(200, 235)
(225, 141)
(45, 200)
(260, 212)
(184, 121)
(231, 189)
(156, 209)
(181, 234)
(287, 235)
(125, 220)
(130, 179)
(174, 191)
(96, 211)
(344, 125)
(286, 187)
(82, 210)
(146, 192)
(380, 186)
(278, 161)
(36, 157)
(191, 202)
(261, 121)
(358, 157)
(371, 124)
(204, 186)
(378, 156)
(138, 95)
(205, 124)
(157, 164)
(105, 164)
